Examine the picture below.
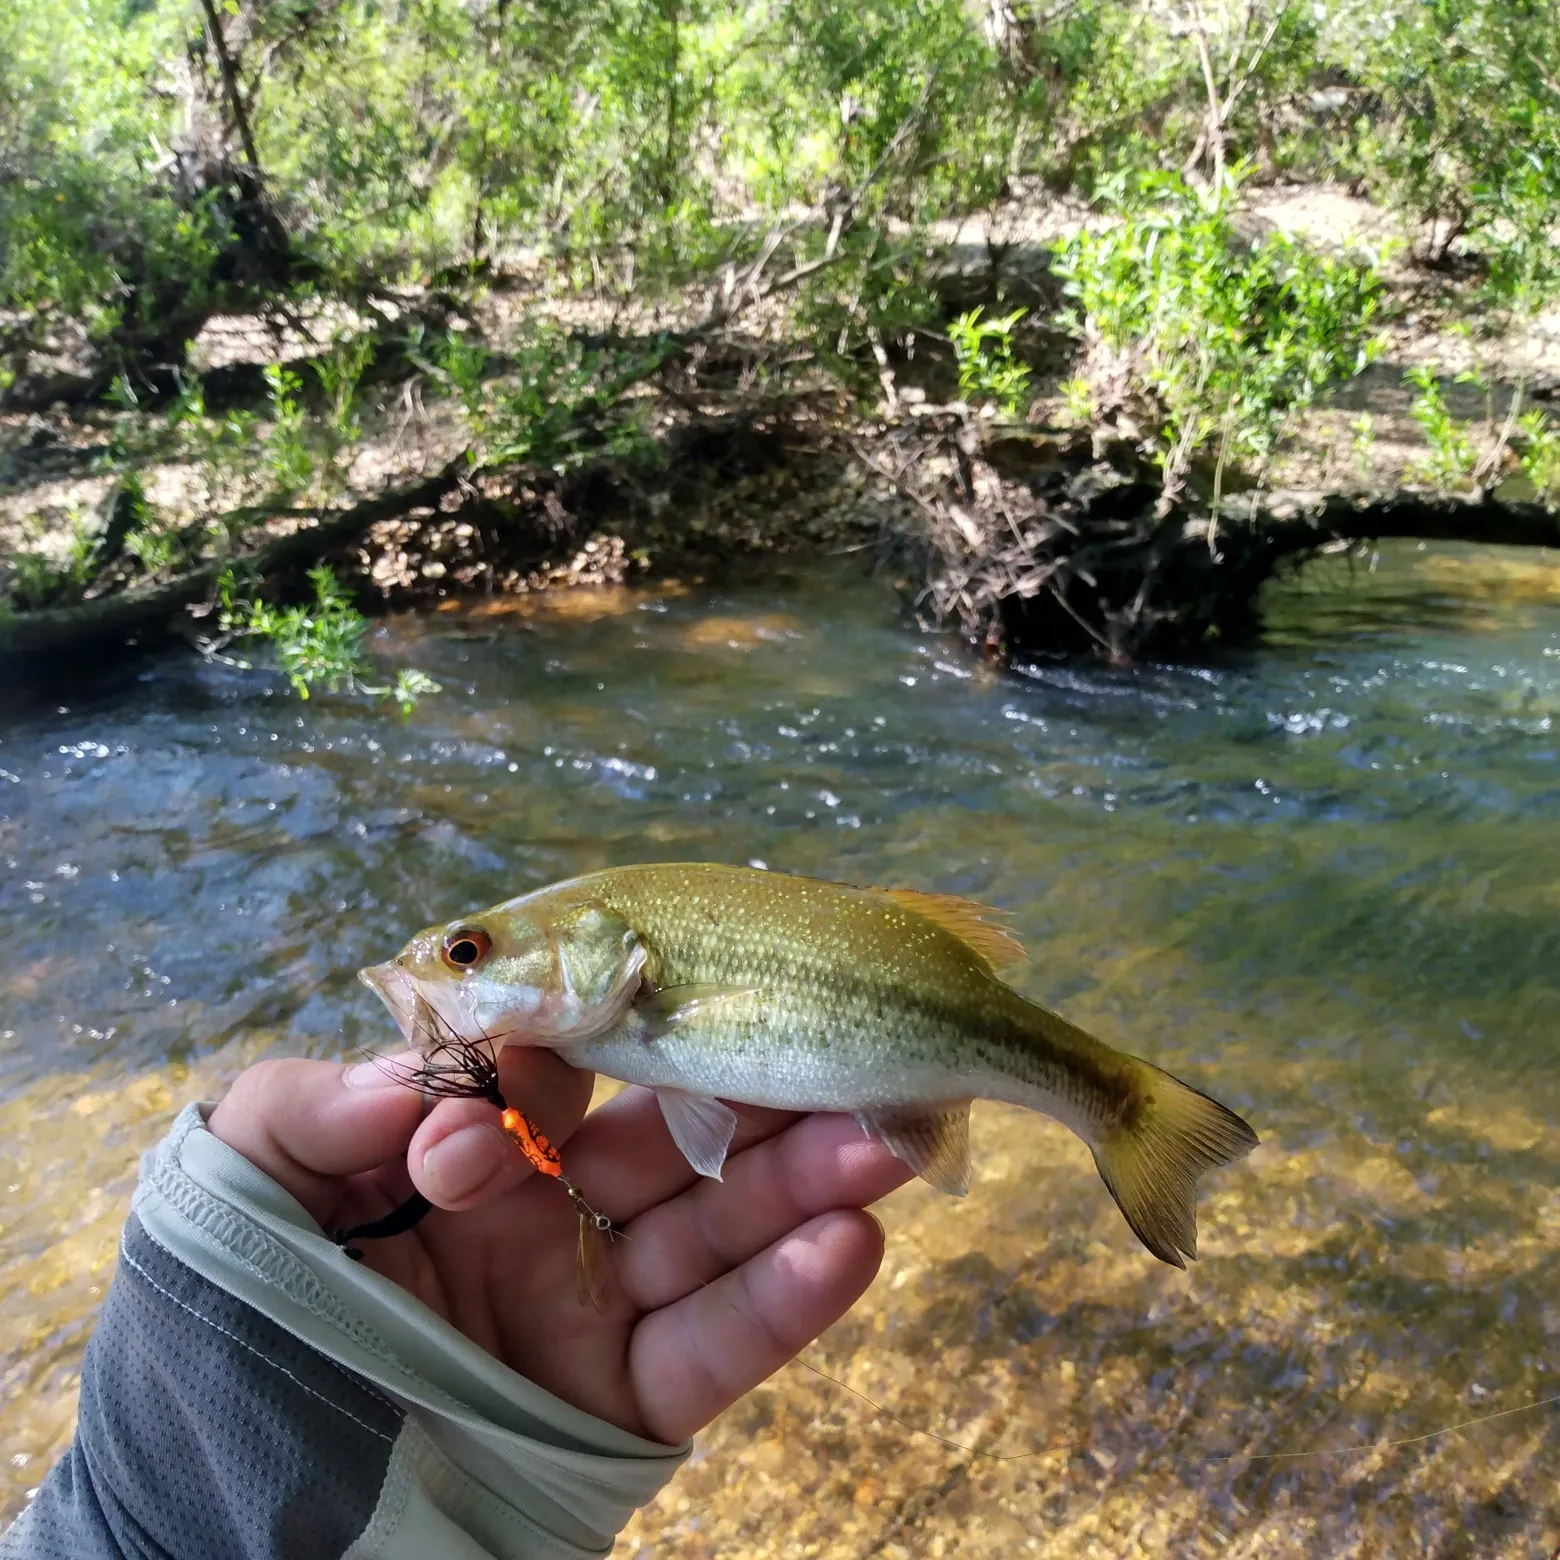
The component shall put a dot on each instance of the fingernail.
(457, 1165)
(371, 1075)
(882, 1228)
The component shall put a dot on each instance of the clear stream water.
(1320, 878)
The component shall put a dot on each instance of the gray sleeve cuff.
(485, 1463)
(205, 1432)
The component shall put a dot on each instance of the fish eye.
(465, 948)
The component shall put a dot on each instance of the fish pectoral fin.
(701, 1127)
(979, 927)
(933, 1140)
(673, 1005)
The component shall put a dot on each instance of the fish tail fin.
(1150, 1161)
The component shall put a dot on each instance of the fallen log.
(463, 529)
(1024, 541)
(1426, 517)
(1031, 542)
(146, 613)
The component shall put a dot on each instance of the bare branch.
(1213, 124)
(230, 87)
(750, 288)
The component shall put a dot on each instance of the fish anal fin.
(673, 1005)
(972, 923)
(934, 1140)
(701, 1127)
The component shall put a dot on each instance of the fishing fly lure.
(455, 1068)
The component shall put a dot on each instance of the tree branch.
(843, 215)
(230, 88)
(1213, 134)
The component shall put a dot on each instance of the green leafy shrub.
(624, 145)
(340, 427)
(307, 451)
(988, 371)
(318, 644)
(1463, 132)
(134, 527)
(154, 548)
(1539, 455)
(551, 402)
(1211, 339)
(288, 458)
(1453, 455)
(50, 578)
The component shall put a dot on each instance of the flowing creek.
(1321, 879)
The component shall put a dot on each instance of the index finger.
(531, 1079)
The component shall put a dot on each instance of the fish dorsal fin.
(975, 924)
(934, 1140)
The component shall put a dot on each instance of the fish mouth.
(398, 991)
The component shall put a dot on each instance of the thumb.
(309, 1124)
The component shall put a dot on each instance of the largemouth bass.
(711, 983)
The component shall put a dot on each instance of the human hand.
(714, 1286)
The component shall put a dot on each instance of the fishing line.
(1249, 1457)
(1387, 1446)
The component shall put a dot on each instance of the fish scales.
(881, 998)
(710, 983)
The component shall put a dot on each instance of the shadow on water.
(1318, 879)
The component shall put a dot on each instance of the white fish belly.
(782, 1074)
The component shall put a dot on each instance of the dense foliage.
(161, 158)
(378, 164)
(1222, 336)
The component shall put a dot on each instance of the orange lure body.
(532, 1142)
